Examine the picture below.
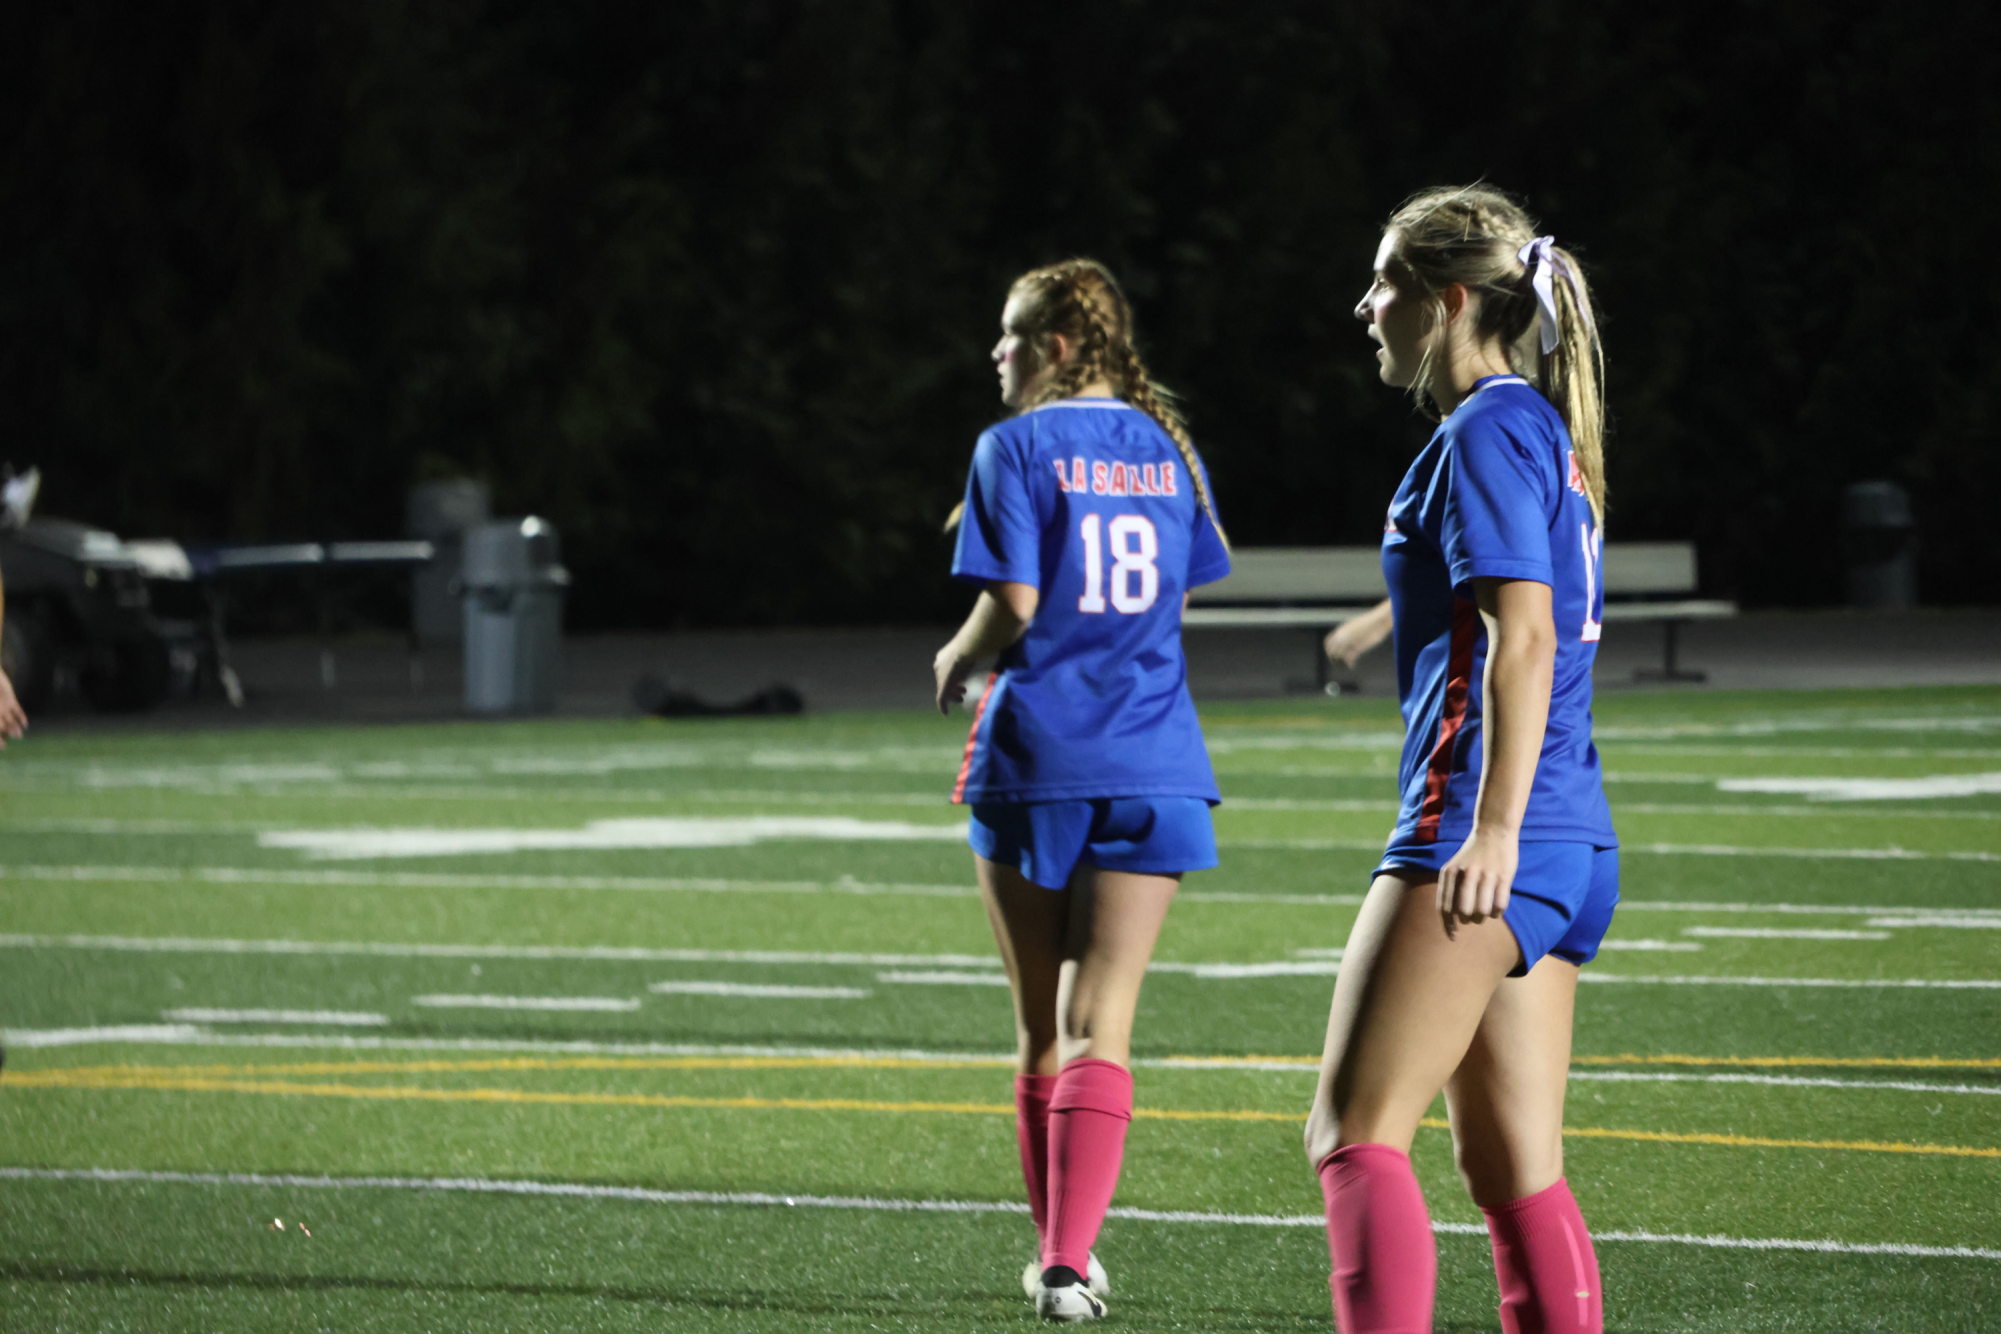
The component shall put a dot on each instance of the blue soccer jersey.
(1088, 502)
(1495, 494)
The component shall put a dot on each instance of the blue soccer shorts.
(1046, 840)
(1561, 902)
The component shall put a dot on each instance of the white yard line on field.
(398, 949)
(334, 1018)
(1893, 983)
(1951, 922)
(1657, 946)
(562, 1003)
(760, 1199)
(769, 991)
(1657, 849)
(1782, 1081)
(1781, 933)
(599, 836)
(942, 979)
(1871, 789)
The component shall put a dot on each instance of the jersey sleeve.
(1208, 558)
(1494, 522)
(1000, 535)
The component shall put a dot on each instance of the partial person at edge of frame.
(13, 718)
(1500, 879)
(1087, 519)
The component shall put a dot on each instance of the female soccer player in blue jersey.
(1087, 519)
(1500, 878)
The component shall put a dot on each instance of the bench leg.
(1671, 669)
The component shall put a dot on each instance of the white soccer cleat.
(1031, 1278)
(1070, 1302)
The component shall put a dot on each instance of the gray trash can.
(512, 585)
(440, 513)
(1879, 541)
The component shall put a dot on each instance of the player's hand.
(1474, 885)
(1348, 641)
(13, 719)
(950, 670)
(1346, 644)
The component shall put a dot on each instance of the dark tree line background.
(711, 283)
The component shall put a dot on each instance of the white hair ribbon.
(1544, 262)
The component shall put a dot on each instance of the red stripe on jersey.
(1458, 689)
(973, 739)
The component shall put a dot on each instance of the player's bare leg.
(1506, 1101)
(1407, 1003)
(1079, 1028)
(1030, 926)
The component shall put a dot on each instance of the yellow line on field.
(532, 1063)
(109, 1079)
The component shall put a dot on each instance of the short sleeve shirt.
(1494, 494)
(1089, 502)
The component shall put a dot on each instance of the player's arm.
(999, 618)
(13, 720)
(1348, 641)
(1521, 668)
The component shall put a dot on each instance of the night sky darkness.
(711, 283)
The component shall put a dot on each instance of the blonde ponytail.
(1477, 236)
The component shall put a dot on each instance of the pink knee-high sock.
(1088, 1113)
(1547, 1269)
(1031, 1131)
(1379, 1235)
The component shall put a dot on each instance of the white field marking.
(1950, 923)
(1793, 812)
(937, 979)
(1986, 753)
(254, 875)
(1970, 723)
(606, 1003)
(1784, 1081)
(1915, 983)
(1234, 971)
(76, 1037)
(695, 832)
(1807, 909)
(1870, 789)
(1661, 849)
(395, 949)
(1670, 946)
(643, 1195)
(1333, 952)
(1346, 805)
(1782, 933)
(340, 1018)
(770, 991)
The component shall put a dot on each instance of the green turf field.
(692, 1026)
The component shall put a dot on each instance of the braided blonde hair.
(1472, 234)
(1080, 300)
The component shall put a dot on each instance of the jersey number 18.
(1134, 546)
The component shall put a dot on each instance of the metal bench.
(1317, 588)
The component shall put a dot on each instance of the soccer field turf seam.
(767, 1199)
(115, 1078)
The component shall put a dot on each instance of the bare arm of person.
(1348, 641)
(1521, 665)
(13, 719)
(999, 618)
